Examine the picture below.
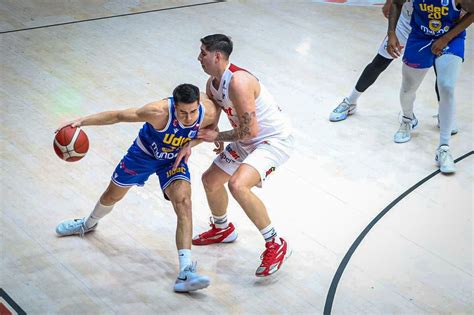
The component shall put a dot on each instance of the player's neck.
(221, 71)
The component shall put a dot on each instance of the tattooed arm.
(393, 45)
(243, 90)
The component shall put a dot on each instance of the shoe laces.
(444, 155)
(344, 106)
(269, 254)
(82, 230)
(191, 268)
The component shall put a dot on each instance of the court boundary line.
(109, 17)
(337, 276)
(11, 302)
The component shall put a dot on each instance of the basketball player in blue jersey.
(382, 60)
(169, 124)
(437, 38)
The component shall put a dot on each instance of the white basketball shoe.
(74, 227)
(188, 280)
(404, 132)
(444, 160)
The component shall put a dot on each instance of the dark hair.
(186, 93)
(218, 42)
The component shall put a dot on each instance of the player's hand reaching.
(438, 45)
(207, 135)
(219, 147)
(73, 123)
(184, 152)
(393, 46)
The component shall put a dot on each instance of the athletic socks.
(98, 213)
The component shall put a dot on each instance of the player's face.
(187, 114)
(207, 60)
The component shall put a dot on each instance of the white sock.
(352, 99)
(184, 256)
(220, 221)
(98, 213)
(269, 233)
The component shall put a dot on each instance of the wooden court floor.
(59, 61)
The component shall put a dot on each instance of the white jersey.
(405, 17)
(402, 31)
(271, 121)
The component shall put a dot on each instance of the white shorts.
(264, 156)
(402, 31)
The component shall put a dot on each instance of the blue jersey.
(164, 144)
(434, 18)
(154, 151)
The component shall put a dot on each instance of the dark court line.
(348, 255)
(11, 303)
(110, 17)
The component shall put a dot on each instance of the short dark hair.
(218, 42)
(186, 93)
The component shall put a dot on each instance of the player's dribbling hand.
(184, 152)
(393, 46)
(73, 123)
(207, 135)
(219, 147)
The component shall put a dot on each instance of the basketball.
(71, 144)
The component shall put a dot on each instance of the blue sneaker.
(342, 111)
(74, 227)
(188, 280)
(404, 132)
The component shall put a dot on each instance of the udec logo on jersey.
(434, 12)
(175, 141)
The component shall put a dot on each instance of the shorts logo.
(232, 153)
(222, 156)
(177, 170)
(269, 171)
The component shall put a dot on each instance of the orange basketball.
(71, 143)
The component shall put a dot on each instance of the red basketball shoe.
(216, 235)
(273, 257)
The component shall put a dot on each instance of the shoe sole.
(194, 286)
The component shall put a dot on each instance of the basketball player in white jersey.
(260, 142)
(381, 61)
(169, 124)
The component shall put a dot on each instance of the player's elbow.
(248, 133)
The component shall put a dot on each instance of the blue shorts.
(136, 166)
(418, 50)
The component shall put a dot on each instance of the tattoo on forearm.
(246, 123)
(394, 14)
(228, 136)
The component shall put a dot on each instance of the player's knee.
(236, 187)
(182, 205)
(208, 182)
(446, 88)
